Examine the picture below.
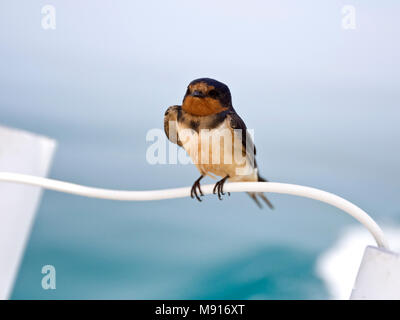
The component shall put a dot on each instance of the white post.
(20, 152)
(379, 276)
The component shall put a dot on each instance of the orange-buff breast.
(202, 106)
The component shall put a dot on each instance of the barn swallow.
(207, 107)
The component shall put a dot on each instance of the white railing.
(272, 187)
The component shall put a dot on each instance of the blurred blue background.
(323, 102)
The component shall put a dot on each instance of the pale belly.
(216, 152)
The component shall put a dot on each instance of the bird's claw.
(195, 187)
(218, 188)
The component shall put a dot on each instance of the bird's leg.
(218, 188)
(196, 185)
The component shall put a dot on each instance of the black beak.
(198, 94)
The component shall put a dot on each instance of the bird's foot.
(195, 187)
(218, 188)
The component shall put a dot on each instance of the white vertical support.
(379, 276)
(20, 152)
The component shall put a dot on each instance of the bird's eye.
(213, 93)
(187, 91)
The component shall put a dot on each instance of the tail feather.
(254, 195)
(269, 204)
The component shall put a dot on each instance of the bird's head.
(206, 96)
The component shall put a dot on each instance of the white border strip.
(273, 187)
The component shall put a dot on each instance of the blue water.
(323, 103)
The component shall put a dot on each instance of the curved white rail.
(274, 187)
